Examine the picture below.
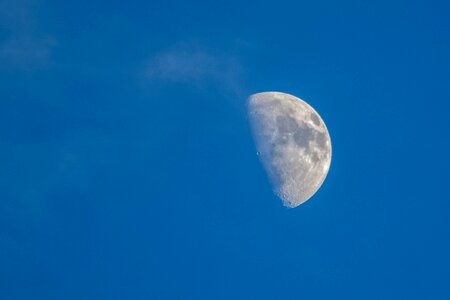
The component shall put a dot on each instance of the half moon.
(293, 143)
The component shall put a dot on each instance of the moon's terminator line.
(293, 143)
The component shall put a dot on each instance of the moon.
(293, 144)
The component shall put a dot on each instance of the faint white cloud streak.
(24, 47)
(192, 65)
(27, 52)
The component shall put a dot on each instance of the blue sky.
(128, 171)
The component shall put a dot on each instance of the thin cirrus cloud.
(24, 46)
(197, 67)
(27, 52)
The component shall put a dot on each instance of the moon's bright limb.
(293, 143)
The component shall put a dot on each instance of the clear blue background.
(127, 168)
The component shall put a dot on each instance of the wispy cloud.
(194, 65)
(27, 52)
(24, 47)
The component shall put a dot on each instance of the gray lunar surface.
(293, 144)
